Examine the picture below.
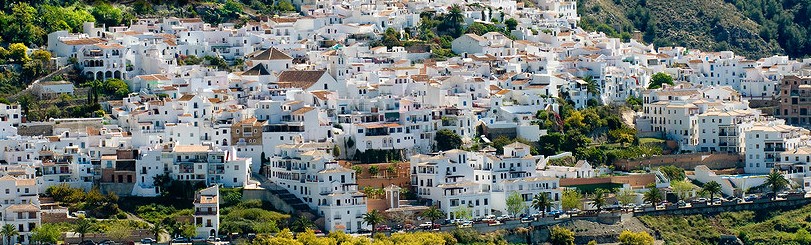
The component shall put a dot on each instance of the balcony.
(777, 149)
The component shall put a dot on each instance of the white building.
(308, 171)
(207, 212)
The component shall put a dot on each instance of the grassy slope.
(758, 227)
(710, 25)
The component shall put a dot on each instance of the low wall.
(754, 206)
(136, 235)
(685, 161)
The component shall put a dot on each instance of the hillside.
(783, 226)
(710, 25)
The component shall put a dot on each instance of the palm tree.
(599, 200)
(83, 226)
(302, 224)
(454, 19)
(433, 214)
(654, 196)
(591, 86)
(156, 230)
(9, 231)
(541, 202)
(712, 188)
(373, 218)
(775, 182)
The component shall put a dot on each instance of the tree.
(433, 214)
(157, 229)
(142, 7)
(284, 6)
(653, 196)
(477, 28)
(41, 55)
(391, 38)
(658, 79)
(635, 238)
(117, 87)
(46, 233)
(570, 199)
(302, 224)
(515, 203)
(623, 135)
(682, 188)
(358, 169)
(802, 236)
(95, 89)
(374, 170)
(83, 226)
(463, 212)
(673, 173)
(776, 182)
(336, 151)
(373, 218)
(575, 121)
(511, 24)
(107, 14)
(453, 20)
(8, 232)
(626, 196)
(118, 231)
(391, 169)
(561, 236)
(188, 230)
(599, 199)
(447, 140)
(18, 52)
(21, 26)
(591, 86)
(712, 188)
(541, 202)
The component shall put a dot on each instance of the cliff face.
(708, 25)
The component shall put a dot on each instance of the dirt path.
(628, 117)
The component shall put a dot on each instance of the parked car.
(383, 228)
(526, 220)
(408, 227)
(181, 239)
(426, 225)
(147, 241)
(750, 197)
(495, 223)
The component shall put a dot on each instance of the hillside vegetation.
(776, 227)
(754, 28)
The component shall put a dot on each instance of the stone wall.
(685, 161)
(761, 204)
